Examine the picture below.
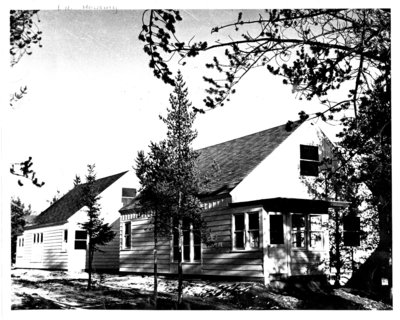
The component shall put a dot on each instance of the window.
(316, 232)
(309, 160)
(246, 231)
(38, 238)
(80, 240)
(127, 235)
(37, 247)
(307, 231)
(65, 241)
(276, 229)
(351, 231)
(191, 243)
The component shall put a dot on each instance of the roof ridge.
(251, 134)
(113, 175)
(70, 203)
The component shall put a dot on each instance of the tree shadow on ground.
(34, 301)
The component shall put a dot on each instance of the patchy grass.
(39, 289)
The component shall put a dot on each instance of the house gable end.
(278, 175)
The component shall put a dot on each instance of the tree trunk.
(155, 270)
(180, 269)
(90, 266)
(338, 262)
(180, 251)
(375, 274)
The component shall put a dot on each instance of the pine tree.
(18, 214)
(170, 182)
(99, 232)
(155, 197)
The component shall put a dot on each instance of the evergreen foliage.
(169, 179)
(18, 214)
(99, 233)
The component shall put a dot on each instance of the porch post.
(265, 237)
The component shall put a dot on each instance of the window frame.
(64, 243)
(127, 235)
(308, 231)
(309, 160)
(80, 240)
(246, 232)
(191, 246)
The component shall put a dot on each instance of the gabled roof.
(69, 204)
(235, 159)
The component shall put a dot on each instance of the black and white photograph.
(197, 159)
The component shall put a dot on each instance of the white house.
(262, 217)
(56, 240)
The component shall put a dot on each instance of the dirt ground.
(39, 289)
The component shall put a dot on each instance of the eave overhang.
(294, 205)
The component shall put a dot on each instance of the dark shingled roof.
(236, 158)
(66, 206)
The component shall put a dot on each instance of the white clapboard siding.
(216, 260)
(140, 257)
(51, 255)
(219, 259)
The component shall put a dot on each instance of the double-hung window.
(80, 239)
(307, 231)
(309, 160)
(191, 238)
(246, 231)
(127, 235)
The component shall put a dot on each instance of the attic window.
(309, 160)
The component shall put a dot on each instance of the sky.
(92, 99)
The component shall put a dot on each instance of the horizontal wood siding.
(52, 256)
(108, 257)
(305, 262)
(219, 259)
(216, 260)
(140, 257)
(21, 259)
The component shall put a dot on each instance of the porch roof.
(294, 205)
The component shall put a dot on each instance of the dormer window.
(309, 160)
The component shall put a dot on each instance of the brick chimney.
(128, 194)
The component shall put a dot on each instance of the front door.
(278, 242)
